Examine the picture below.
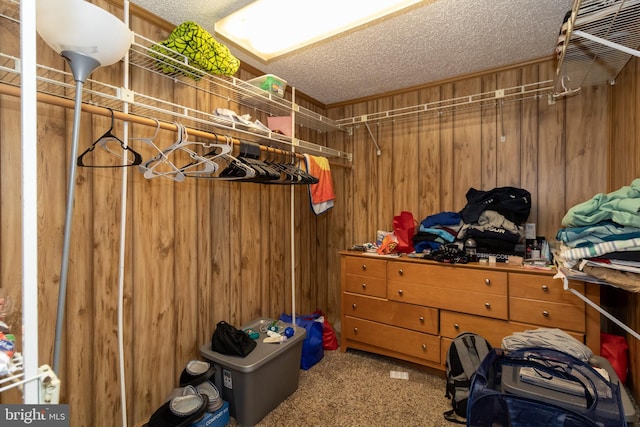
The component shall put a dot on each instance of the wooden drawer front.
(452, 324)
(445, 343)
(422, 319)
(547, 314)
(364, 285)
(543, 288)
(493, 330)
(454, 299)
(411, 343)
(494, 282)
(366, 267)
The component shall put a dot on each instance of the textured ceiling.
(433, 41)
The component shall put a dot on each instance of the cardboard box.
(220, 418)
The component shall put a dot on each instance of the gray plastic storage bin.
(254, 385)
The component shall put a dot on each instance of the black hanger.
(250, 155)
(102, 142)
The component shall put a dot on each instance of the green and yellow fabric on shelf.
(201, 50)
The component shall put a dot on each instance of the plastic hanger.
(106, 142)
(205, 161)
(164, 164)
(250, 155)
(161, 165)
(235, 169)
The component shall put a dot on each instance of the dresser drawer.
(547, 314)
(365, 285)
(415, 317)
(411, 343)
(494, 282)
(362, 266)
(493, 330)
(452, 298)
(544, 288)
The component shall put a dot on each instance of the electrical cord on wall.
(123, 235)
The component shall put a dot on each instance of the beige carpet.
(356, 389)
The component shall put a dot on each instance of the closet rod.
(6, 89)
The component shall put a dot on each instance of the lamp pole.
(81, 66)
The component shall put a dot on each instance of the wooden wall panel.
(529, 144)
(586, 144)
(429, 166)
(447, 171)
(625, 167)
(466, 166)
(551, 162)
(491, 133)
(509, 141)
(380, 209)
(404, 158)
(204, 251)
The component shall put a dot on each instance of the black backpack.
(464, 356)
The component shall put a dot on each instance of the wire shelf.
(150, 57)
(153, 58)
(463, 103)
(602, 36)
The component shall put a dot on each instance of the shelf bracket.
(606, 42)
(605, 313)
(373, 138)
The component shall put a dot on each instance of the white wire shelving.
(485, 99)
(147, 56)
(596, 42)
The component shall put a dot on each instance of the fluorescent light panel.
(270, 28)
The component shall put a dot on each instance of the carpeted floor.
(355, 389)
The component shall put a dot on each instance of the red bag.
(329, 339)
(404, 228)
(614, 349)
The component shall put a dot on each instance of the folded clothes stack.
(601, 237)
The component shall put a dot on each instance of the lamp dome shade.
(82, 27)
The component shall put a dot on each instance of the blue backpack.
(540, 387)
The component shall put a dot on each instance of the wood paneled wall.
(557, 151)
(196, 252)
(200, 251)
(624, 168)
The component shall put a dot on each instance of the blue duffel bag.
(541, 387)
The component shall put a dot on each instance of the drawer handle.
(487, 305)
(487, 282)
(456, 326)
(364, 286)
(424, 347)
(355, 330)
(545, 313)
(400, 291)
(364, 267)
(421, 319)
(353, 306)
(400, 272)
(545, 288)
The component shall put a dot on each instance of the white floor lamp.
(88, 37)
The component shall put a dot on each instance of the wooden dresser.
(411, 309)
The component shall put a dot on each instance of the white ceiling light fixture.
(271, 28)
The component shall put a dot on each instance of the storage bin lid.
(262, 354)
